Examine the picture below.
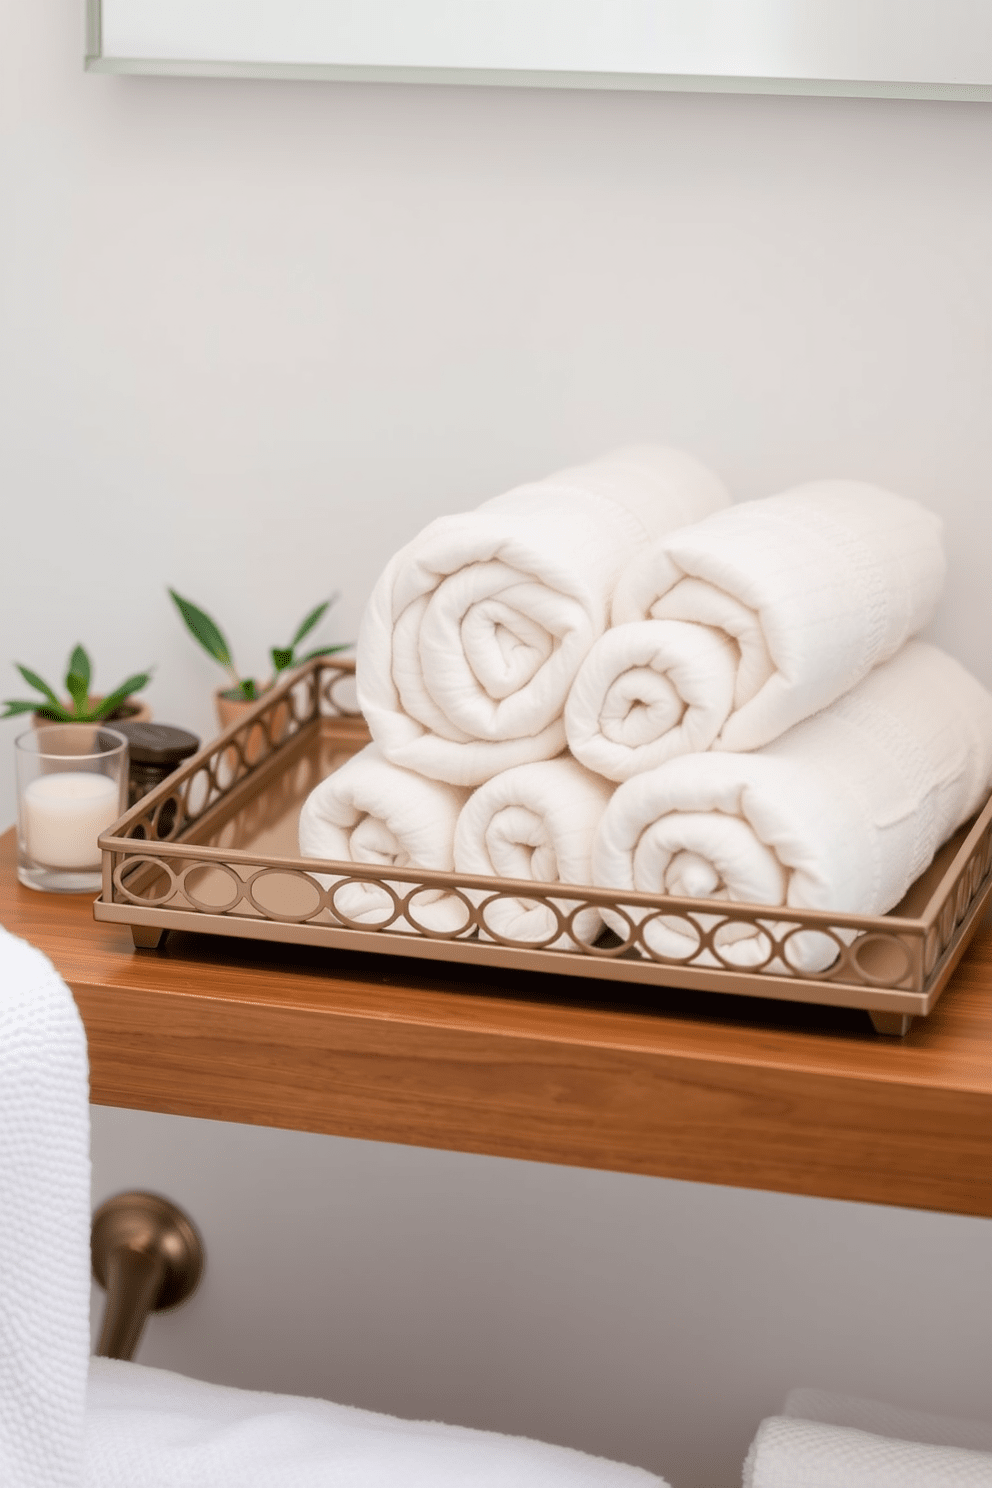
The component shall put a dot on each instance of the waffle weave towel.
(883, 1419)
(792, 1453)
(44, 1223)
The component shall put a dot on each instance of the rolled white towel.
(650, 691)
(373, 812)
(475, 630)
(841, 813)
(813, 588)
(788, 1452)
(534, 822)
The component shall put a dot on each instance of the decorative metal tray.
(213, 849)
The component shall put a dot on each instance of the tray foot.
(896, 1025)
(147, 937)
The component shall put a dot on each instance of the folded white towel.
(534, 822)
(44, 1223)
(841, 813)
(888, 1420)
(373, 812)
(814, 588)
(148, 1428)
(792, 1453)
(476, 629)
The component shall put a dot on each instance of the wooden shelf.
(718, 1089)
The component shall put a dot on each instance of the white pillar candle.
(64, 815)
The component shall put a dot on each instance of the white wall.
(252, 335)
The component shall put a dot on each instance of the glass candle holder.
(71, 786)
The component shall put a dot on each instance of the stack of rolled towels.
(615, 677)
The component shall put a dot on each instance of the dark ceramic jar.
(156, 749)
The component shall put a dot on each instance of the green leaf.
(79, 665)
(282, 657)
(203, 629)
(133, 684)
(57, 713)
(245, 692)
(14, 706)
(33, 680)
(78, 680)
(79, 694)
(323, 651)
(314, 618)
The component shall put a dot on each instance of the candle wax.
(64, 814)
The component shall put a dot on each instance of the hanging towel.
(792, 1453)
(44, 1223)
(476, 629)
(534, 822)
(149, 1428)
(373, 812)
(841, 813)
(813, 588)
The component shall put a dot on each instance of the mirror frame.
(95, 61)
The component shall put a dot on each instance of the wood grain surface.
(687, 1085)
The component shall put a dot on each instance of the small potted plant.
(242, 692)
(80, 706)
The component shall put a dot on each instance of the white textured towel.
(147, 1428)
(841, 813)
(888, 1420)
(534, 822)
(44, 1223)
(476, 629)
(792, 1453)
(650, 691)
(813, 587)
(373, 812)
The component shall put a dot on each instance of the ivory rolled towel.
(534, 822)
(841, 813)
(475, 630)
(812, 589)
(650, 691)
(792, 1453)
(373, 812)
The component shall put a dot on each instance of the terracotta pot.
(130, 711)
(231, 710)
